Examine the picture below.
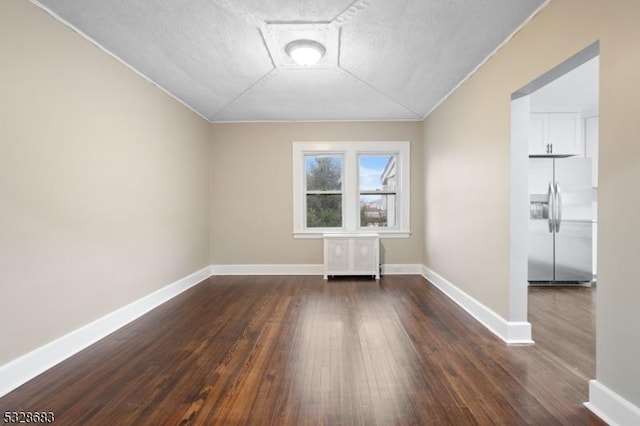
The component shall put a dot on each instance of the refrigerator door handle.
(551, 202)
(558, 206)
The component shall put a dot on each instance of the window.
(351, 187)
(323, 191)
(377, 185)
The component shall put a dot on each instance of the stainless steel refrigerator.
(560, 220)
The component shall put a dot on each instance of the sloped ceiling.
(384, 60)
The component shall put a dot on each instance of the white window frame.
(350, 152)
(306, 192)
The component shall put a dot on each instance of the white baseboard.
(611, 407)
(295, 269)
(401, 269)
(510, 331)
(267, 269)
(28, 366)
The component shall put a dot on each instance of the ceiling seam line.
(339, 46)
(266, 47)
(418, 116)
(232, 101)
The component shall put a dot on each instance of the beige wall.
(466, 160)
(252, 190)
(103, 183)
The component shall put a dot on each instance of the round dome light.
(305, 52)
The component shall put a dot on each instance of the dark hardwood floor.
(300, 350)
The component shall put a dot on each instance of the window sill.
(310, 235)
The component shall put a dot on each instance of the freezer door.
(574, 252)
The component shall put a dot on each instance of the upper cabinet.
(557, 133)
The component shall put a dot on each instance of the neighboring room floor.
(300, 350)
(564, 324)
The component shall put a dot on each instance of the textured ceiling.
(225, 59)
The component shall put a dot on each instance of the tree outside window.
(323, 191)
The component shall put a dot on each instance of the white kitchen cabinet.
(537, 137)
(557, 133)
(351, 254)
(591, 125)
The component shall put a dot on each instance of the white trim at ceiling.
(356, 6)
(108, 52)
(500, 46)
(380, 120)
(352, 9)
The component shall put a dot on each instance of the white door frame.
(519, 188)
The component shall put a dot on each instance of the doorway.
(561, 90)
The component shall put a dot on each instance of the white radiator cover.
(352, 254)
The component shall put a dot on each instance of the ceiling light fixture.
(305, 52)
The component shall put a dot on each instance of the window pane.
(378, 210)
(324, 172)
(324, 210)
(378, 172)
